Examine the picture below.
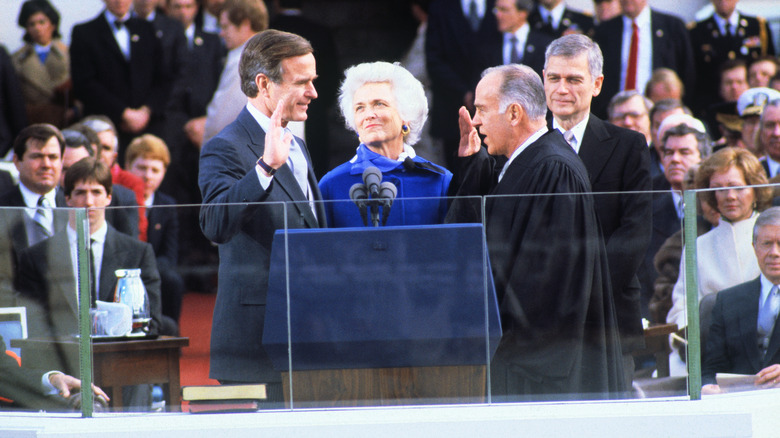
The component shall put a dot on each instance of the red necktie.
(632, 58)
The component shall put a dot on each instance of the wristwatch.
(268, 169)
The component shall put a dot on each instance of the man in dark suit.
(170, 33)
(38, 158)
(618, 163)
(662, 41)
(685, 144)
(48, 277)
(521, 44)
(48, 270)
(116, 70)
(769, 137)
(743, 336)
(255, 163)
(125, 220)
(459, 44)
(725, 35)
(555, 19)
(31, 389)
(190, 97)
(560, 337)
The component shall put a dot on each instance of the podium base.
(386, 386)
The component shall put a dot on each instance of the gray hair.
(770, 216)
(702, 139)
(522, 85)
(623, 97)
(570, 46)
(408, 92)
(760, 133)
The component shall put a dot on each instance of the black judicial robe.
(549, 263)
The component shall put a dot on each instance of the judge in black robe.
(547, 255)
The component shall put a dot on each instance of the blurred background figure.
(148, 158)
(606, 10)
(630, 109)
(555, 19)
(289, 18)
(43, 66)
(761, 71)
(664, 84)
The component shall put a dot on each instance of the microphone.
(372, 177)
(359, 195)
(387, 193)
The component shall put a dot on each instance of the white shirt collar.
(111, 18)
(578, 130)
(556, 13)
(99, 235)
(643, 19)
(466, 4)
(31, 198)
(149, 201)
(766, 287)
(535, 136)
(732, 21)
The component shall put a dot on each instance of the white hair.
(408, 92)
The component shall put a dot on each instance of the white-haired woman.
(386, 106)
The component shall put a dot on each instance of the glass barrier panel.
(731, 338)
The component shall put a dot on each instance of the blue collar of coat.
(365, 157)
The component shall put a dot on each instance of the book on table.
(224, 392)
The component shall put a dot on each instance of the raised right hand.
(277, 141)
(469, 137)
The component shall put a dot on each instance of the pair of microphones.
(373, 194)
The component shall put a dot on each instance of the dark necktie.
(514, 56)
(92, 272)
(118, 24)
(474, 16)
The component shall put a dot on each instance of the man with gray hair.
(630, 109)
(560, 337)
(743, 336)
(617, 161)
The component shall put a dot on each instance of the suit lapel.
(284, 177)
(597, 146)
(748, 321)
(108, 266)
(108, 39)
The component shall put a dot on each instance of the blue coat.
(423, 180)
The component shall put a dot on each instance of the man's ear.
(262, 82)
(597, 85)
(514, 113)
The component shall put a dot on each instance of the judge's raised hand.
(277, 141)
(469, 137)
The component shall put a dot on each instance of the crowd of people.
(168, 102)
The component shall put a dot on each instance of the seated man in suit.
(30, 389)
(743, 337)
(78, 146)
(148, 157)
(48, 276)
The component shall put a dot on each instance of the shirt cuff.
(265, 181)
(48, 388)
